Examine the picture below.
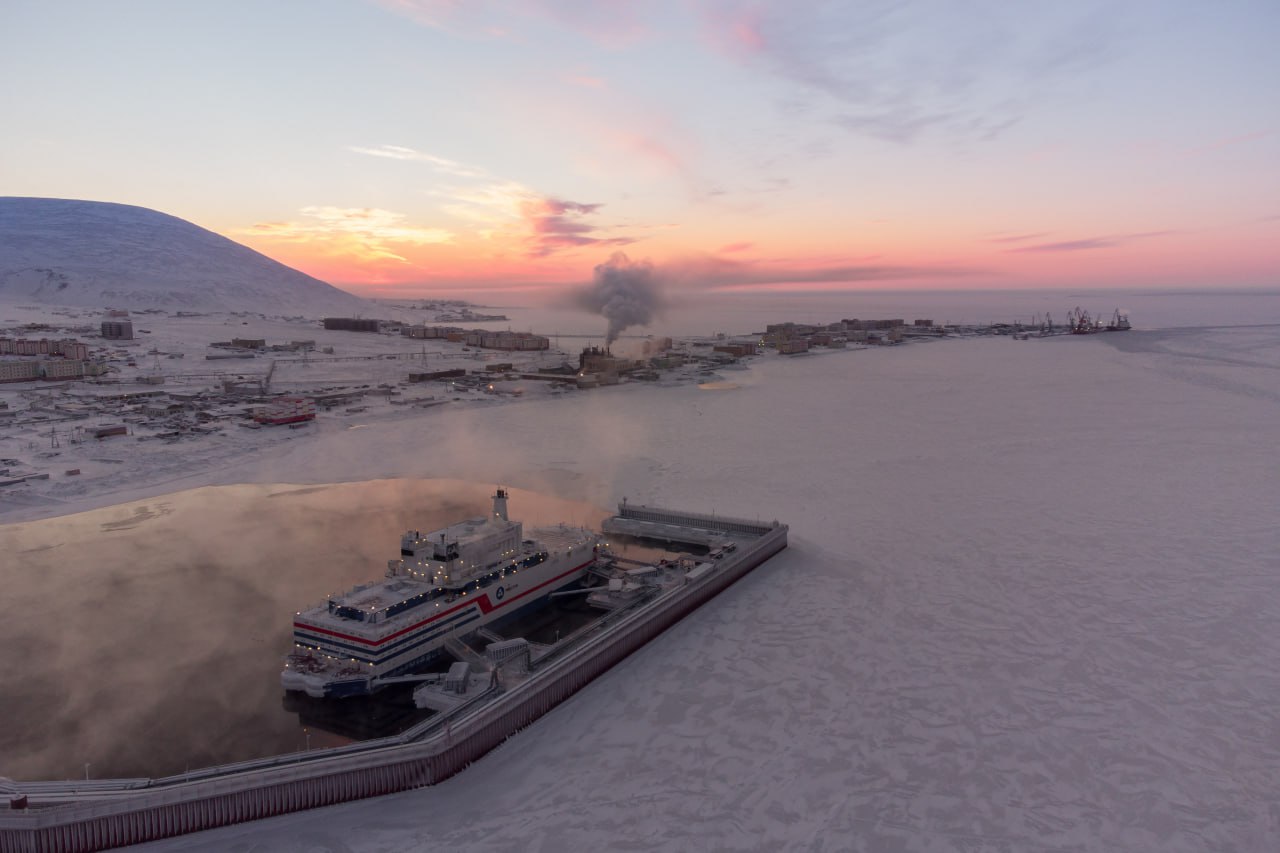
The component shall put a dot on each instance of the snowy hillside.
(89, 253)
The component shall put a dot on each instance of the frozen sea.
(1030, 601)
(695, 313)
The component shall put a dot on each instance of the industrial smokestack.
(624, 293)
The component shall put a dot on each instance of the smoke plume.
(624, 293)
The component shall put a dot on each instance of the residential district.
(82, 395)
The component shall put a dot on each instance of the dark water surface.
(148, 638)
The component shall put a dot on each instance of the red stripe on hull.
(483, 601)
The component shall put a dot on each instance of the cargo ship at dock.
(446, 584)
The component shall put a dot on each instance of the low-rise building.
(653, 346)
(437, 374)
(669, 361)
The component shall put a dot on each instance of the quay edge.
(82, 817)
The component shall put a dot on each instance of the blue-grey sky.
(408, 146)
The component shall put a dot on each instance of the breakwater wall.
(75, 817)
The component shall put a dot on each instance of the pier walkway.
(77, 817)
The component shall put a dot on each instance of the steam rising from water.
(624, 292)
(147, 638)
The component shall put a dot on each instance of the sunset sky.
(414, 147)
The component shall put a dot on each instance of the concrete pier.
(76, 817)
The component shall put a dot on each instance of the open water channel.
(147, 638)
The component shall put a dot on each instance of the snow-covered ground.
(69, 252)
(176, 347)
(1029, 604)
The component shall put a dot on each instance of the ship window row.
(410, 603)
(330, 645)
(344, 611)
(496, 575)
(343, 652)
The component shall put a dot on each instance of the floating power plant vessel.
(454, 583)
(450, 582)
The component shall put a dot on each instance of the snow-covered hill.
(91, 253)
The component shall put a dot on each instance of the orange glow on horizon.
(889, 259)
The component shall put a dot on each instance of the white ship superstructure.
(450, 582)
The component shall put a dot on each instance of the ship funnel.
(500, 504)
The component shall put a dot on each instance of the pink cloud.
(557, 224)
(860, 64)
(586, 81)
(713, 271)
(745, 33)
(1017, 238)
(1089, 243)
(608, 24)
(1229, 142)
(656, 151)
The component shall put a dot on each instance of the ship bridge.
(461, 552)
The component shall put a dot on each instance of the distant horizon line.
(1162, 290)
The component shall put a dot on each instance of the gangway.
(628, 560)
(603, 572)
(586, 590)
(406, 679)
(460, 650)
